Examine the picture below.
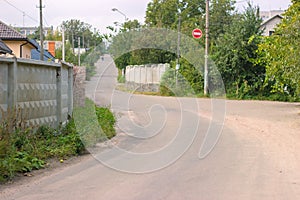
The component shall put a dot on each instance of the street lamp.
(116, 10)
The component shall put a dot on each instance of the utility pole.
(206, 49)
(178, 49)
(73, 42)
(41, 32)
(78, 51)
(63, 43)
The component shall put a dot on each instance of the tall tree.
(221, 16)
(161, 13)
(282, 52)
(75, 28)
(235, 52)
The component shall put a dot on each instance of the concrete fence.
(145, 77)
(43, 91)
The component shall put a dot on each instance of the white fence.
(145, 77)
(145, 74)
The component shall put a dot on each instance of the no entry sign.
(197, 33)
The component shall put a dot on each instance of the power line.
(23, 12)
(45, 20)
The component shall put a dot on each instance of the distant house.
(31, 30)
(35, 53)
(269, 25)
(20, 45)
(265, 15)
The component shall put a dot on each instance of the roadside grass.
(122, 87)
(229, 96)
(95, 124)
(24, 148)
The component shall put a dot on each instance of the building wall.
(270, 26)
(268, 14)
(15, 46)
(42, 91)
(31, 30)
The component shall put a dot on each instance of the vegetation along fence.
(43, 91)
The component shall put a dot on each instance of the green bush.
(24, 148)
(94, 124)
(170, 86)
(121, 79)
(107, 121)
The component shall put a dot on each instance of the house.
(269, 25)
(20, 45)
(32, 30)
(265, 15)
(4, 49)
(35, 53)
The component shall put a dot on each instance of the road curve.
(257, 155)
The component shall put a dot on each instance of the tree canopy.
(281, 54)
(251, 65)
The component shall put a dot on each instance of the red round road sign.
(197, 33)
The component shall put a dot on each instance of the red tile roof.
(6, 32)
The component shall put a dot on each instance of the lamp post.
(116, 10)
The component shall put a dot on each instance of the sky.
(98, 13)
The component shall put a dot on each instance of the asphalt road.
(156, 153)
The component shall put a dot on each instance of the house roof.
(271, 18)
(4, 49)
(35, 53)
(8, 33)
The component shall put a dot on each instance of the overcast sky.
(98, 13)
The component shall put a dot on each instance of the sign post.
(197, 33)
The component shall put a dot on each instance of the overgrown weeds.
(24, 147)
(95, 124)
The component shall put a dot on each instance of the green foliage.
(251, 65)
(69, 55)
(94, 124)
(121, 79)
(174, 83)
(235, 54)
(36, 35)
(165, 14)
(75, 28)
(106, 120)
(221, 17)
(24, 148)
(90, 39)
(131, 25)
(280, 53)
(161, 13)
(89, 59)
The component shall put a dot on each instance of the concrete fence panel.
(145, 77)
(42, 90)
